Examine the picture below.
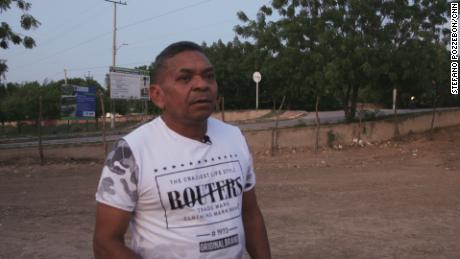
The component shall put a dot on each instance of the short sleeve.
(250, 176)
(119, 179)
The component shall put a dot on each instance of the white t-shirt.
(185, 195)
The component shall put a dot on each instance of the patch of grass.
(331, 138)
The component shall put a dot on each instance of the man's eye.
(184, 78)
(210, 76)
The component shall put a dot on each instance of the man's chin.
(202, 116)
(201, 111)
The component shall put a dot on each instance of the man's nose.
(199, 83)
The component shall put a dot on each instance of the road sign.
(256, 77)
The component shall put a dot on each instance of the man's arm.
(111, 226)
(254, 227)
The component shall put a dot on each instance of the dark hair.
(169, 52)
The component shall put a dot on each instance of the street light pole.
(114, 62)
(114, 40)
(114, 55)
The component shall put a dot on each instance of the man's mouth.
(201, 101)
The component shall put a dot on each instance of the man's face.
(187, 88)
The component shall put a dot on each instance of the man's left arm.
(254, 227)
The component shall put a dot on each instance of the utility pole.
(65, 76)
(65, 82)
(3, 61)
(40, 119)
(114, 54)
(88, 76)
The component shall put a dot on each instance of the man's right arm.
(111, 226)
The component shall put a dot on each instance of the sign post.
(395, 93)
(257, 77)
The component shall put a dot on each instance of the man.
(183, 182)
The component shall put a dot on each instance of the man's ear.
(157, 96)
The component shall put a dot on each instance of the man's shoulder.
(223, 130)
(219, 125)
(142, 131)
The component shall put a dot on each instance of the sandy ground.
(389, 200)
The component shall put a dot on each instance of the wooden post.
(18, 126)
(395, 110)
(317, 123)
(360, 128)
(112, 116)
(274, 148)
(222, 110)
(40, 148)
(435, 96)
(101, 98)
(218, 104)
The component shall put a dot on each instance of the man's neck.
(192, 130)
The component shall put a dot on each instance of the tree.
(19, 102)
(7, 35)
(233, 63)
(414, 35)
(348, 46)
(310, 41)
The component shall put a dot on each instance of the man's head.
(170, 51)
(183, 84)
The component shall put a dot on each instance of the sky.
(77, 35)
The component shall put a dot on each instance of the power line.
(149, 61)
(116, 2)
(75, 26)
(65, 31)
(146, 62)
(163, 14)
(107, 33)
(120, 28)
(100, 67)
(106, 66)
(197, 28)
(65, 50)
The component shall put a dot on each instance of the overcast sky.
(77, 35)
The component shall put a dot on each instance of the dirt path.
(392, 200)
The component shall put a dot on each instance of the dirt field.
(389, 200)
